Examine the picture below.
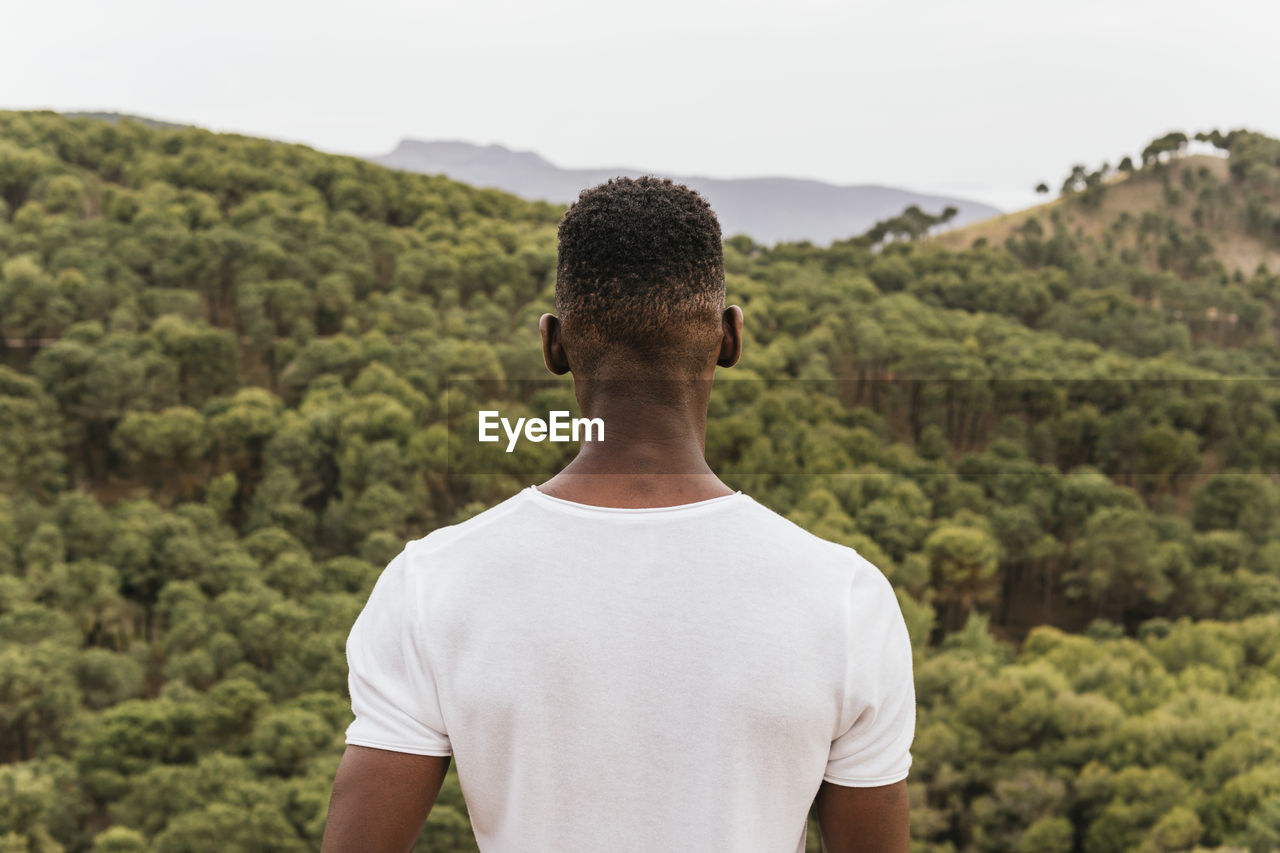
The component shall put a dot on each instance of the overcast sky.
(970, 97)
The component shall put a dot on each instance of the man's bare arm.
(864, 820)
(381, 799)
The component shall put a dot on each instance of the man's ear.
(731, 337)
(552, 349)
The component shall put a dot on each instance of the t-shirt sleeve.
(878, 712)
(392, 688)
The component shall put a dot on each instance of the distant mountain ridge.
(769, 210)
(115, 117)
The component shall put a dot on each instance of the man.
(632, 656)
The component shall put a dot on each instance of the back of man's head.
(640, 278)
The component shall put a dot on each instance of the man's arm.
(381, 799)
(863, 820)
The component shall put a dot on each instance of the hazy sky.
(973, 97)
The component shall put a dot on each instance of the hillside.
(1198, 199)
(766, 209)
(232, 387)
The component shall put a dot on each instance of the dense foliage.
(223, 374)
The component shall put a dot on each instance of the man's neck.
(652, 454)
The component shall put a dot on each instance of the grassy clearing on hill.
(1133, 196)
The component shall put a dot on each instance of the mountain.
(767, 209)
(113, 117)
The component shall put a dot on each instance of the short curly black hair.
(640, 273)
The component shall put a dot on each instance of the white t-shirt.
(659, 679)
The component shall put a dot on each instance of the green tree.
(963, 563)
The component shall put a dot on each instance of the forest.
(231, 389)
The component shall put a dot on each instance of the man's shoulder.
(477, 525)
(766, 536)
(784, 534)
